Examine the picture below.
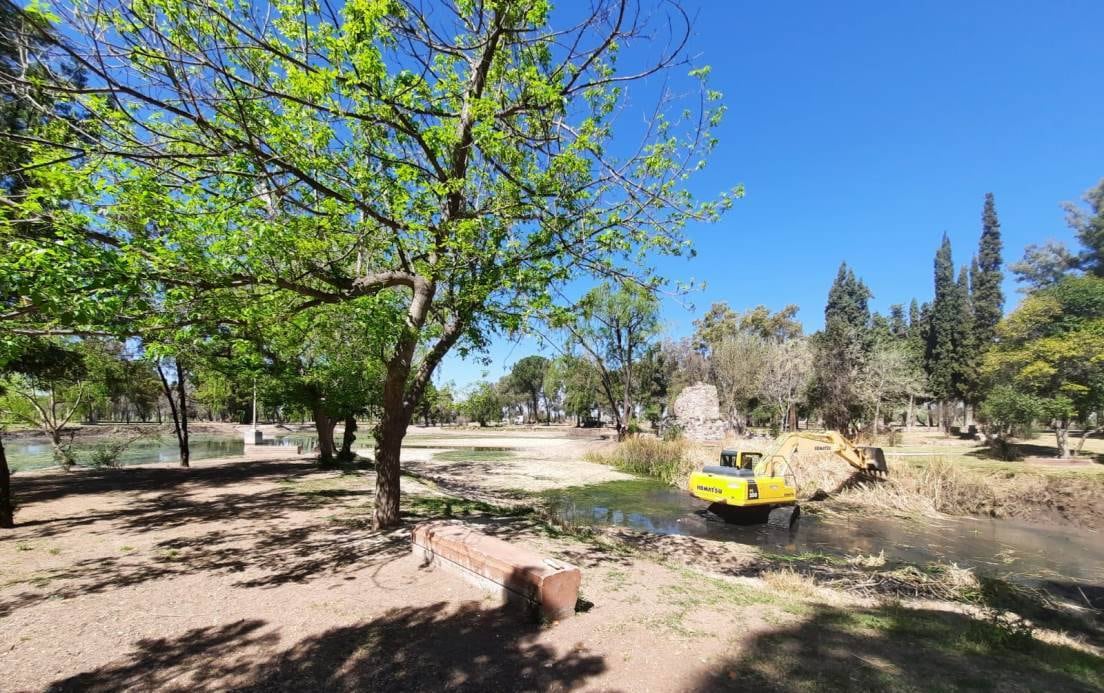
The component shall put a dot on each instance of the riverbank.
(930, 476)
(157, 577)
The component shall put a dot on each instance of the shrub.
(667, 460)
(106, 454)
(672, 432)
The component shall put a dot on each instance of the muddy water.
(37, 453)
(1028, 553)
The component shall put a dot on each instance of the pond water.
(36, 453)
(1028, 553)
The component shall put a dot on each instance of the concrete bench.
(514, 572)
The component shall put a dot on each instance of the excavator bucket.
(875, 460)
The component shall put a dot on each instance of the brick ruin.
(697, 413)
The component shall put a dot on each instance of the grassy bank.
(937, 486)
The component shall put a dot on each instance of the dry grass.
(671, 461)
(791, 582)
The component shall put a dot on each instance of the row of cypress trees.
(946, 337)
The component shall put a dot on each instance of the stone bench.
(514, 572)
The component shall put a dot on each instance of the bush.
(667, 460)
(107, 454)
(672, 432)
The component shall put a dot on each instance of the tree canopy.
(460, 159)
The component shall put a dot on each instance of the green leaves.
(1052, 346)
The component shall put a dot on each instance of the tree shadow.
(254, 533)
(208, 657)
(895, 648)
(40, 488)
(432, 647)
(264, 558)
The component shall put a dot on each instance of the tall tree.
(527, 377)
(967, 365)
(843, 349)
(986, 277)
(737, 366)
(463, 164)
(613, 325)
(483, 403)
(788, 371)
(942, 352)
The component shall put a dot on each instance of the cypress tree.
(941, 353)
(844, 347)
(986, 278)
(967, 353)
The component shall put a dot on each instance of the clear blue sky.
(864, 130)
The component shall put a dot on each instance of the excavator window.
(750, 459)
(728, 458)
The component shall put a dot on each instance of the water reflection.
(36, 453)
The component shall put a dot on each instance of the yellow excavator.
(748, 485)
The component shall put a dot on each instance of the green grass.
(473, 455)
(694, 593)
(894, 648)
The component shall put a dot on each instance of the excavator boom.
(864, 459)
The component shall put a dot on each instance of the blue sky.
(864, 130)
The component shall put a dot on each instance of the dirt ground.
(266, 575)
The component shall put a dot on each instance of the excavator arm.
(864, 459)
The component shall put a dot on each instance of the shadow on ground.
(40, 488)
(430, 648)
(252, 533)
(898, 649)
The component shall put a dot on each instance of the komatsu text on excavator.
(747, 486)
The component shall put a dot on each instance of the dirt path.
(521, 461)
(265, 575)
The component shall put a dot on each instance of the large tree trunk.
(324, 426)
(347, 439)
(1061, 435)
(911, 413)
(7, 505)
(389, 437)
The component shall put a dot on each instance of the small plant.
(1000, 630)
(672, 432)
(106, 454)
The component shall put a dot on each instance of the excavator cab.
(740, 459)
